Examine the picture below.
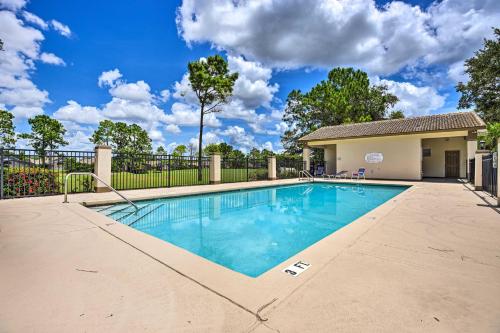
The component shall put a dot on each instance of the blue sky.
(84, 61)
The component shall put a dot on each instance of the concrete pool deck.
(428, 260)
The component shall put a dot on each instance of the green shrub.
(31, 181)
(72, 165)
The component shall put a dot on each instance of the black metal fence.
(141, 171)
(490, 175)
(25, 172)
(243, 169)
(289, 167)
(29, 173)
(472, 170)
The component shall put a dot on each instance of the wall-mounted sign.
(374, 158)
(495, 159)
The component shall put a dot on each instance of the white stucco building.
(411, 148)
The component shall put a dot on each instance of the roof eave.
(304, 139)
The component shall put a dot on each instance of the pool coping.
(269, 288)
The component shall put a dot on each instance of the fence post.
(478, 170)
(102, 167)
(271, 168)
(168, 170)
(215, 171)
(306, 157)
(247, 168)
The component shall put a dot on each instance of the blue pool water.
(251, 231)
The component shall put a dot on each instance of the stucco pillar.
(215, 172)
(306, 157)
(478, 172)
(271, 168)
(330, 158)
(471, 149)
(102, 167)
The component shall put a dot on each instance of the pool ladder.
(304, 174)
(97, 179)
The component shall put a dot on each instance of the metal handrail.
(306, 174)
(97, 178)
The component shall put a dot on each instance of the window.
(426, 152)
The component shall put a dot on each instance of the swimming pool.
(251, 231)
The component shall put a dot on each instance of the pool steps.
(154, 208)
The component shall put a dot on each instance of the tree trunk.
(200, 140)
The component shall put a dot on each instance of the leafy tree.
(122, 138)
(345, 97)
(139, 140)
(254, 153)
(483, 89)
(161, 150)
(398, 114)
(7, 133)
(224, 149)
(266, 153)
(46, 134)
(180, 150)
(236, 154)
(211, 148)
(213, 85)
(104, 133)
(492, 136)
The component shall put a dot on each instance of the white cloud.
(267, 145)
(74, 112)
(12, 4)
(252, 91)
(109, 78)
(188, 115)
(61, 28)
(52, 59)
(456, 72)
(156, 136)
(138, 91)
(413, 100)
(165, 95)
(78, 140)
(132, 103)
(132, 111)
(22, 45)
(19, 38)
(238, 137)
(25, 112)
(32, 18)
(208, 138)
(252, 87)
(325, 33)
(172, 128)
(170, 147)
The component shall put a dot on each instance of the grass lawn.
(150, 179)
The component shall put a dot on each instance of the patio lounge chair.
(320, 171)
(340, 174)
(359, 174)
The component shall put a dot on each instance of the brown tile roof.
(434, 123)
